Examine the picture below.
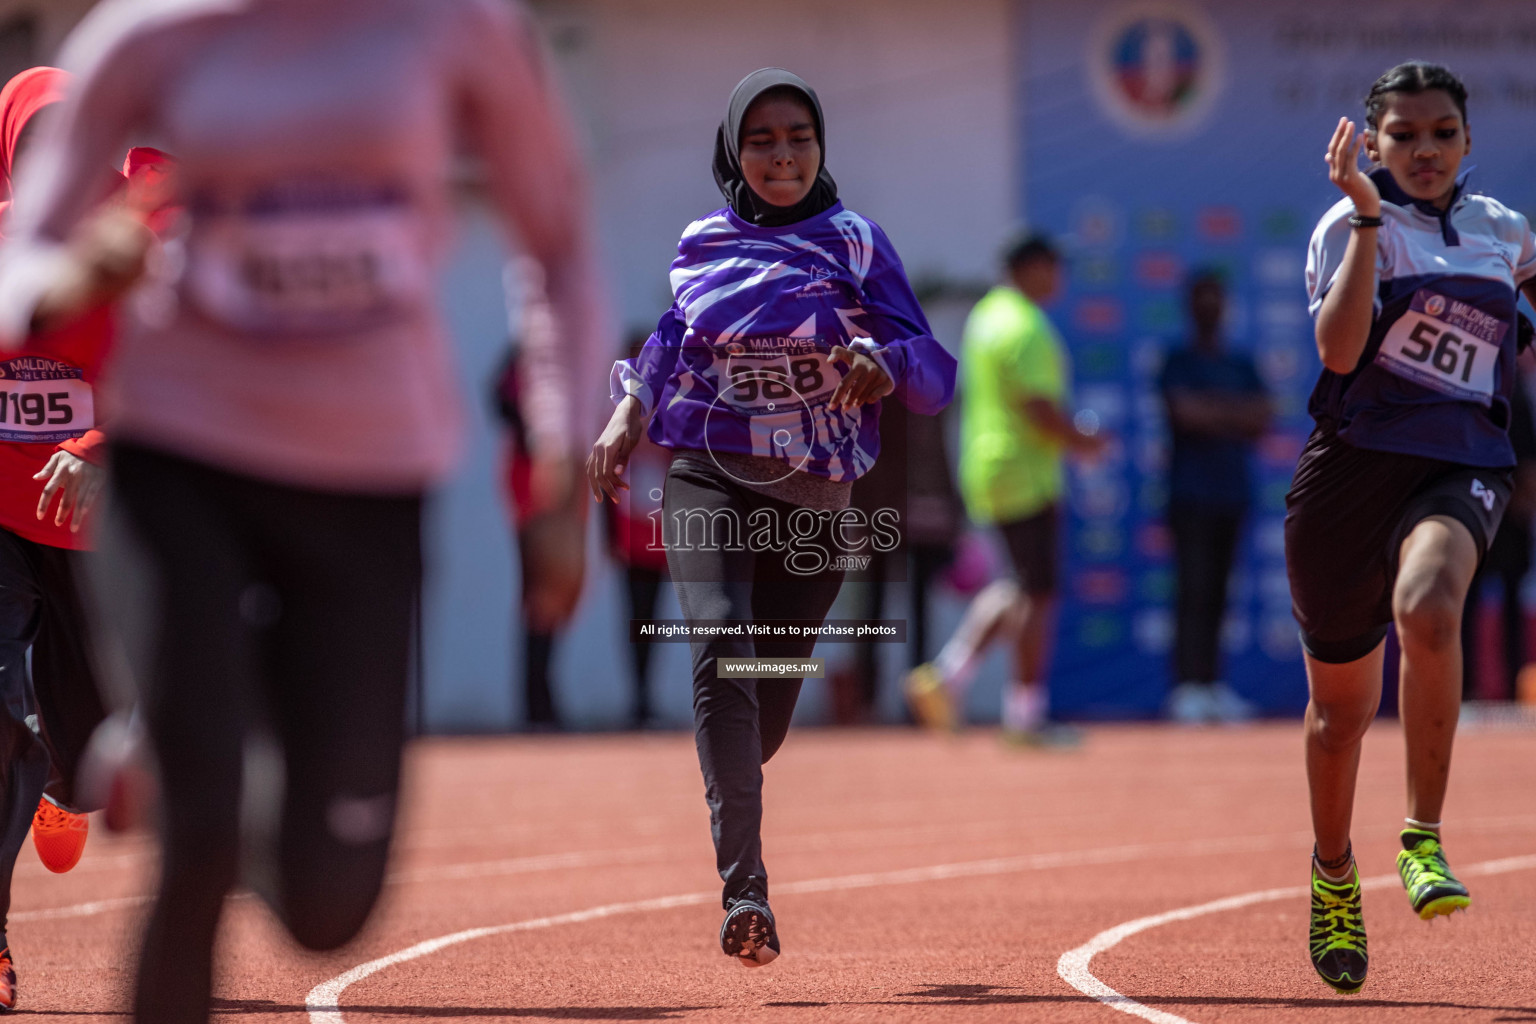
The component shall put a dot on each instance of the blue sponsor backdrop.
(1161, 136)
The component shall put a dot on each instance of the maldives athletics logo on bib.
(1156, 67)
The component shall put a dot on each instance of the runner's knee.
(1427, 608)
(1341, 724)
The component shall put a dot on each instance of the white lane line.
(88, 864)
(80, 909)
(594, 858)
(527, 865)
(887, 838)
(324, 1000)
(447, 872)
(483, 869)
(650, 828)
(434, 873)
(1074, 965)
(814, 841)
(524, 865)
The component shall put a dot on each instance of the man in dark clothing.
(1217, 409)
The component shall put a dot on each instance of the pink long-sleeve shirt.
(315, 140)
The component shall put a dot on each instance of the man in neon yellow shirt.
(1015, 429)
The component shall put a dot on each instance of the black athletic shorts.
(1347, 514)
(1032, 548)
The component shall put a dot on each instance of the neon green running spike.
(1432, 889)
(1337, 936)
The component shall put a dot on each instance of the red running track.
(915, 879)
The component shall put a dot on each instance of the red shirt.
(62, 368)
(47, 398)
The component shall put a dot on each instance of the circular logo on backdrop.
(1156, 67)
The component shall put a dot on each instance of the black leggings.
(278, 620)
(738, 723)
(40, 611)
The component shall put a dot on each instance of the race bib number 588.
(1446, 345)
(759, 384)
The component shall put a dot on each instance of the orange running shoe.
(59, 836)
(7, 981)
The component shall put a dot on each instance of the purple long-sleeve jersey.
(740, 362)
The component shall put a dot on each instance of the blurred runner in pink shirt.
(279, 413)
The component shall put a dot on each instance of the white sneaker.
(1230, 707)
(1025, 708)
(1193, 704)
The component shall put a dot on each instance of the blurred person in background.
(792, 319)
(913, 478)
(1217, 409)
(551, 531)
(1016, 426)
(1508, 559)
(855, 686)
(635, 543)
(934, 521)
(276, 428)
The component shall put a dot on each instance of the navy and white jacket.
(1439, 366)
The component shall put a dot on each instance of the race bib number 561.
(43, 401)
(1446, 345)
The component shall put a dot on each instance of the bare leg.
(1343, 701)
(1032, 643)
(992, 613)
(1025, 704)
(1438, 561)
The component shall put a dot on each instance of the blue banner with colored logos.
(1164, 136)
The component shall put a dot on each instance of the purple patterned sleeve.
(646, 374)
(921, 368)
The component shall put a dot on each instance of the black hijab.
(748, 205)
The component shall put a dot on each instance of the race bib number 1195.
(43, 401)
(1446, 345)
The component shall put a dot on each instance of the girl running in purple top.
(792, 318)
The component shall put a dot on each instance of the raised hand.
(1343, 158)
